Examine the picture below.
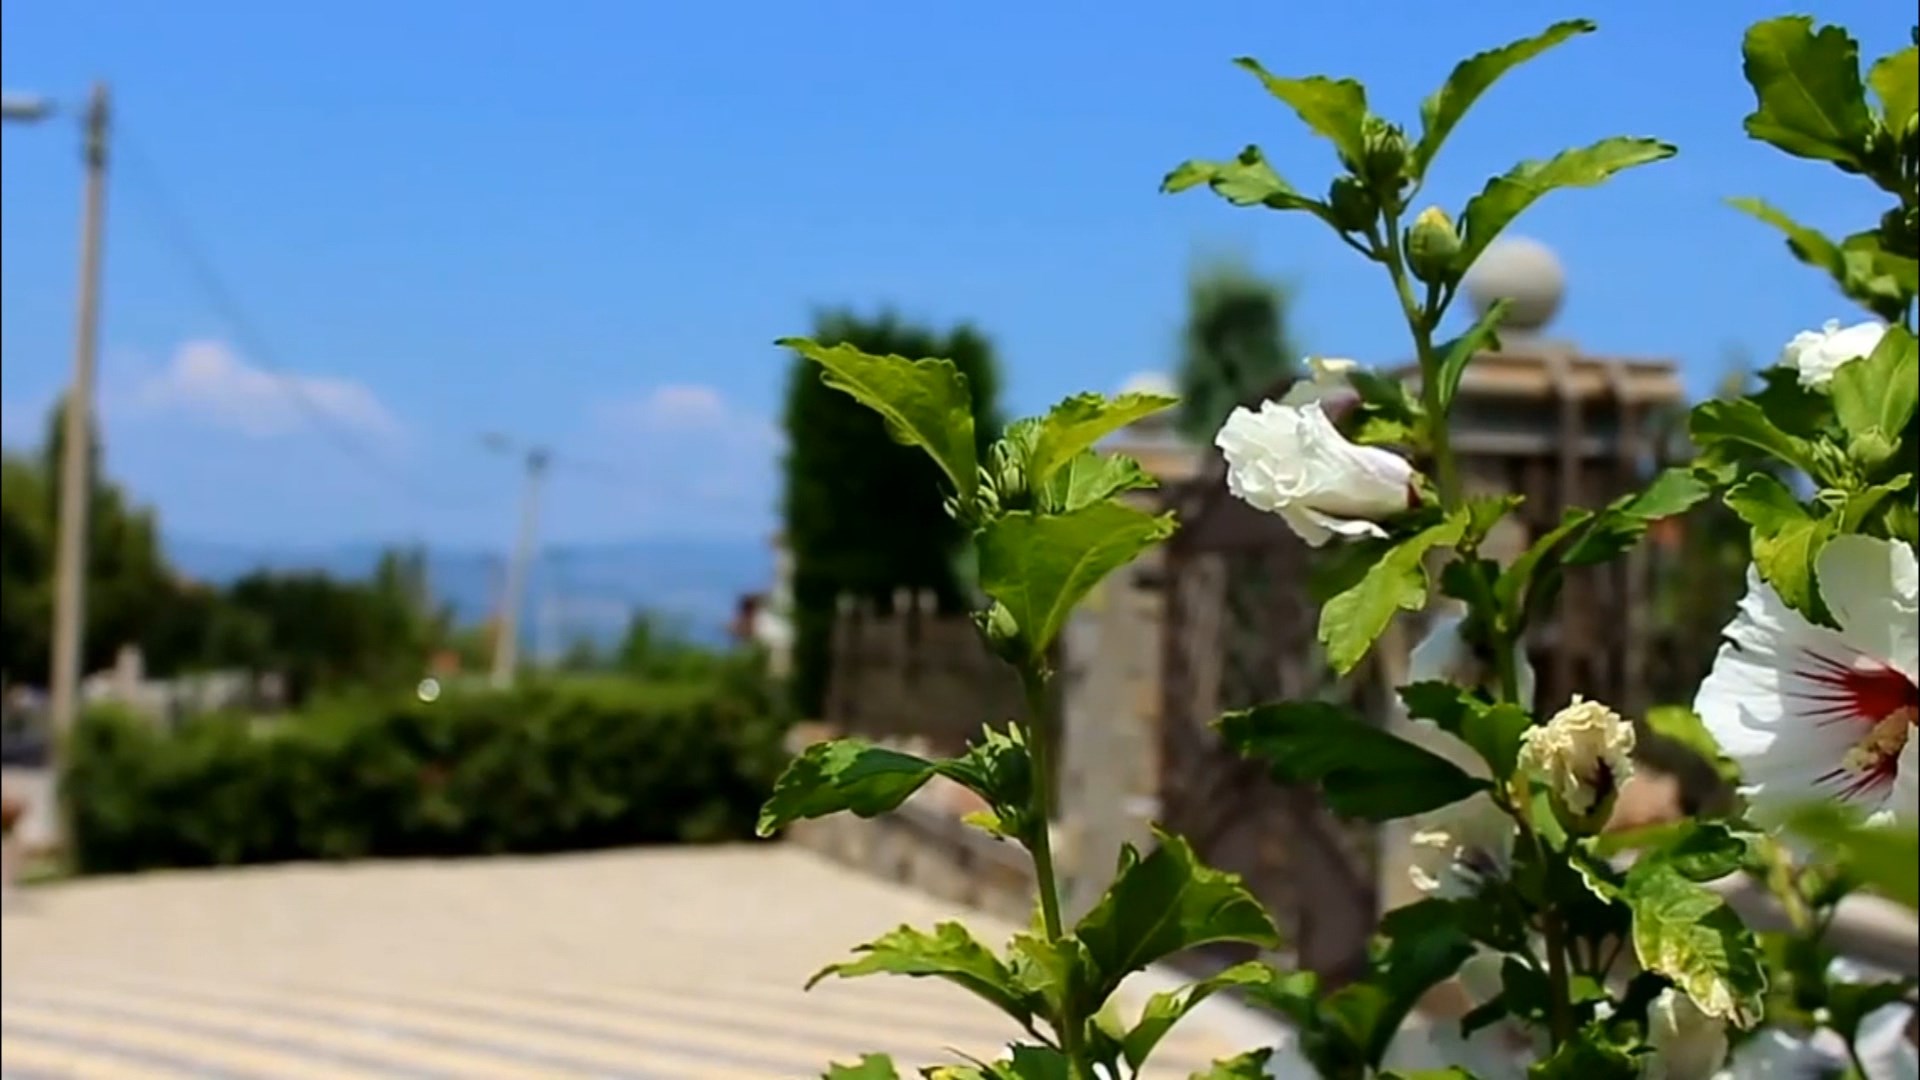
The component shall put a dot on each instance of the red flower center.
(1879, 699)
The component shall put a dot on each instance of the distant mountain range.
(575, 591)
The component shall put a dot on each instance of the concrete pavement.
(670, 963)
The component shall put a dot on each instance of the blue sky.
(584, 223)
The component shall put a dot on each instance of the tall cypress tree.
(863, 514)
(1234, 345)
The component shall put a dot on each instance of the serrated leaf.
(1092, 477)
(869, 1067)
(1039, 567)
(1247, 180)
(1078, 422)
(1442, 111)
(925, 403)
(1883, 857)
(1743, 423)
(1351, 621)
(842, 775)
(1165, 1009)
(1492, 730)
(1685, 931)
(949, 953)
(1617, 528)
(1877, 394)
(1363, 771)
(1787, 540)
(1506, 196)
(1808, 245)
(1705, 851)
(1334, 108)
(1895, 79)
(1163, 903)
(1456, 354)
(1807, 87)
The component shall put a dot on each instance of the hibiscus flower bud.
(1326, 383)
(1432, 245)
(1817, 354)
(1352, 204)
(1291, 460)
(1584, 754)
(1687, 1044)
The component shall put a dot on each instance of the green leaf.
(1471, 77)
(842, 775)
(1877, 394)
(1247, 180)
(1364, 772)
(1251, 1065)
(1352, 620)
(1685, 931)
(1742, 422)
(1165, 1009)
(1895, 79)
(949, 953)
(1425, 947)
(1787, 541)
(1810, 100)
(1492, 730)
(925, 403)
(1808, 245)
(1705, 851)
(869, 1067)
(999, 768)
(1684, 726)
(1850, 1003)
(1077, 423)
(1091, 477)
(1515, 589)
(1455, 355)
(1040, 567)
(1621, 525)
(1504, 197)
(1883, 857)
(1333, 108)
(1047, 970)
(1163, 903)
(1586, 1056)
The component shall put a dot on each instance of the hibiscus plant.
(1608, 958)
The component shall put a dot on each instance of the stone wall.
(913, 672)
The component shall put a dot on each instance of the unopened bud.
(1432, 245)
(1352, 204)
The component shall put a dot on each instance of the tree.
(864, 515)
(1234, 345)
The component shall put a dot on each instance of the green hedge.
(568, 765)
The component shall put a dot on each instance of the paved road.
(679, 964)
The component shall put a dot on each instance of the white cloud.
(208, 380)
(688, 408)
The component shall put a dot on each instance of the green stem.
(1559, 992)
(1046, 878)
(1420, 320)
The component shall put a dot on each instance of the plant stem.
(1560, 1015)
(1420, 320)
(1046, 878)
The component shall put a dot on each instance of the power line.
(176, 231)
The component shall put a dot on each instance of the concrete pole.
(70, 573)
(506, 643)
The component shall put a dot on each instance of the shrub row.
(560, 766)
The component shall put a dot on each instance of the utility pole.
(70, 571)
(506, 642)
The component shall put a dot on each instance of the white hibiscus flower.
(1808, 711)
(1817, 354)
(1293, 462)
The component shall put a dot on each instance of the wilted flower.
(1817, 354)
(1458, 848)
(1444, 656)
(1807, 711)
(1687, 1044)
(1584, 754)
(1293, 462)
